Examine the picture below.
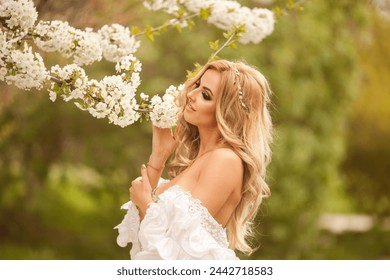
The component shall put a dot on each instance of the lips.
(190, 107)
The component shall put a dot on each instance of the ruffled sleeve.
(129, 227)
(175, 227)
(179, 227)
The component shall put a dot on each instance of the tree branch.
(227, 42)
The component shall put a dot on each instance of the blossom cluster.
(58, 36)
(113, 97)
(224, 14)
(117, 42)
(111, 42)
(21, 67)
(19, 16)
(164, 109)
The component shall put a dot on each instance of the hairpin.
(240, 92)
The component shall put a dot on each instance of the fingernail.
(143, 166)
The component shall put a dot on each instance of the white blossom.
(59, 36)
(52, 95)
(112, 97)
(23, 68)
(54, 36)
(73, 81)
(144, 97)
(4, 50)
(194, 6)
(120, 99)
(164, 110)
(128, 63)
(224, 14)
(258, 26)
(88, 48)
(20, 15)
(258, 23)
(168, 6)
(117, 42)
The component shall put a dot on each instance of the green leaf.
(135, 30)
(181, 12)
(278, 11)
(232, 45)
(214, 45)
(191, 24)
(205, 13)
(149, 33)
(178, 27)
(56, 88)
(191, 74)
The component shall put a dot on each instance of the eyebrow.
(206, 88)
(209, 90)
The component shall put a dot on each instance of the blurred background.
(64, 174)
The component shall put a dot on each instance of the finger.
(144, 173)
(136, 180)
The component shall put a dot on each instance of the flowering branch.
(113, 97)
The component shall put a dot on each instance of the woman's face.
(201, 101)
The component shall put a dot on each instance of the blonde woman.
(220, 148)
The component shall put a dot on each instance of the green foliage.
(366, 166)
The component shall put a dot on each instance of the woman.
(221, 149)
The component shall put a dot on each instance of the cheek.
(209, 113)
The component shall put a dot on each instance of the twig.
(298, 3)
(227, 42)
(143, 110)
(165, 25)
(58, 81)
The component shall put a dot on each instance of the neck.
(209, 140)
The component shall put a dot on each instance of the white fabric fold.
(176, 227)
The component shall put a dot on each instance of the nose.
(191, 95)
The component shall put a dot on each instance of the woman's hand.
(141, 192)
(163, 144)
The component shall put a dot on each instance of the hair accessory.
(240, 92)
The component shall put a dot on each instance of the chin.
(188, 119)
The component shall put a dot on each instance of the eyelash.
(205, 95)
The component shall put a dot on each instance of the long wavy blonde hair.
(247, 130)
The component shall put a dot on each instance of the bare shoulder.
(220, 177)
(224, 157)
(222, 167)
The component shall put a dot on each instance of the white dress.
(175, 227)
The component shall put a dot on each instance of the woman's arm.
(163, 144)
(141, 188)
